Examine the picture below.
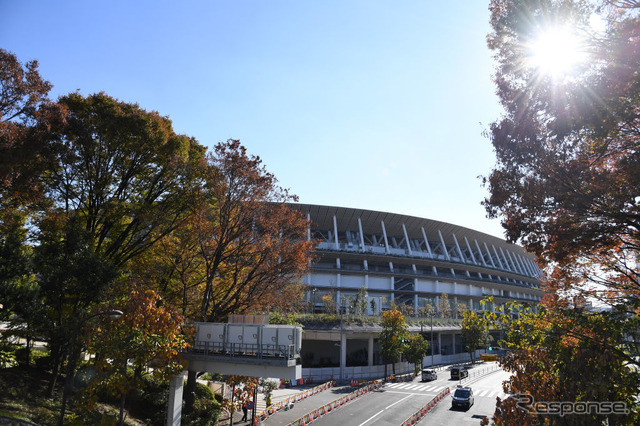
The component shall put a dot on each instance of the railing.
(394, 252)
(481, 372)
(232, 350)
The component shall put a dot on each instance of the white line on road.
(386, 408)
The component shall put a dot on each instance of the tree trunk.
(190, 392)
(57, 362)
(121, 418)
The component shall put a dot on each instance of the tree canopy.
(565, 185)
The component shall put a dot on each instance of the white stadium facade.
(402, 260)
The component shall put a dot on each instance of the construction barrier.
(426, 408)
(285, 403)
(327, 408)
(402, 378)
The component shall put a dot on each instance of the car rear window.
(461, 393)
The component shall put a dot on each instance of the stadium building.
(405, 261)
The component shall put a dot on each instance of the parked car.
(462, 397)
(428, 374)
(458, 373)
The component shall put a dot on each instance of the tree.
(444, 306)
(568, 165)
(243, 388)
(26, 117)
(392, 337)
(565, 185)
(475, 331)
(361, 303)
(119, 180)
(416, 350)
(148, 335)
(252, 245)
(567, 356)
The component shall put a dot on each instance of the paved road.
(395, 402)
(486, 389)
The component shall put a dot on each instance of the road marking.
(386, 408)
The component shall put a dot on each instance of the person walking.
(245, 410)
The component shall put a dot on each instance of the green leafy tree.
(416, 350)
(120, 180)
(361, 302)
(392, 337)
(475, 331)
(444, 306)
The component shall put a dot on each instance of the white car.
(428, 374)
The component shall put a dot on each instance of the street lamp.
(341, 348)
(114, 314)
(313, 300)
(431, 315)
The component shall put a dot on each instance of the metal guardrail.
(481, 372)
(231, 350)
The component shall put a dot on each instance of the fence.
(320, 375)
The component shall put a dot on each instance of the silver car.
(428, 374)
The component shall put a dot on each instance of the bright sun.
(556, 51)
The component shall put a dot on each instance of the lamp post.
(431, 315)
(114, 314)
(341, 348)
(313, 300)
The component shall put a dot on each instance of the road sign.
(250, 405)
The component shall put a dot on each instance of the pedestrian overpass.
(245, 349)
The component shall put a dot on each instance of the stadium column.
(370, 354)
(384, 234)
(361, 233)
(426, 241)
(498, 257)
(444, 246)
(473, 257)
(484, 263)
(506, 261)
(406, 238)
(486, 247)
(335, 232)
(455, 240)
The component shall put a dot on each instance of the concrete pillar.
(174, 409)
(370, 361)
(453, 343)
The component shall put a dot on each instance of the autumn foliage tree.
(566, 186)
(147, 339)
(253, 246)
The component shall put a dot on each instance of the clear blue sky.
(370, 104)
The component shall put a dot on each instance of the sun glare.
(556, 52)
